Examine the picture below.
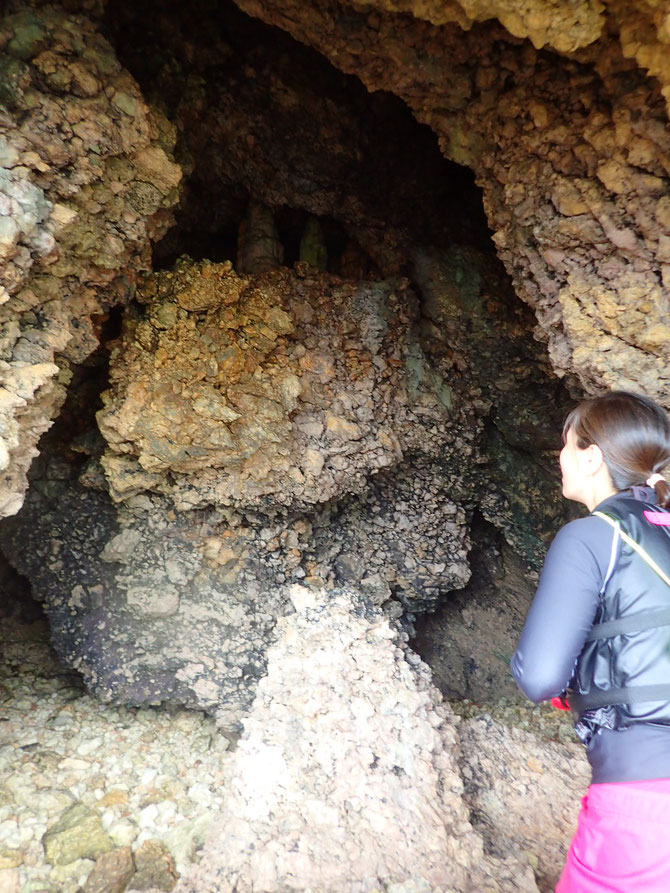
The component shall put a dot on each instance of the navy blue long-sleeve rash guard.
(554, 634)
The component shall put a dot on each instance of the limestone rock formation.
(644, 32)
(259, 248)
(314, 428)
(572, 154)
(85, 181)
(268, 429)
(283, 390)
(271, 400)
(287, 460)
(343, 778)
(146, 614)
(481, 622)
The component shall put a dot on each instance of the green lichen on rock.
(14, 78)
(78, 834)
(524, 495)
(474, 323)
(424, 382)
(29, 34)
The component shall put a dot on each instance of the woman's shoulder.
(589, 534)
(584, 529)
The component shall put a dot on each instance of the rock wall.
(523, 793)
(85, 180)
(268, 427)
(469, 640)
(644, 33)
(260, 430)
(221, 472)
(318, 428)
(518, 792)
(282, 390)
(572, 154)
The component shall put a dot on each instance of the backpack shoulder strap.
(645, 556)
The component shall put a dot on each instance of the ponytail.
(662, 490)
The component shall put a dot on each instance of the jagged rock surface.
(573, 156)
(537, 781)
(85, 178)
(343, 778)
(470, 639)
(138, 608)
(641, 26)
(510, 773)
(269, 429)
(283, 390)
(293, 389)
(155, 604)
(256, 435)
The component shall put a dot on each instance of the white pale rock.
(160, 602)
(354, 797)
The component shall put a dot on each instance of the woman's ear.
(594, 459)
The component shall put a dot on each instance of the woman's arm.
(563, 610)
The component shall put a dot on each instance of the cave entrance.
(406, 323)
(274, 139)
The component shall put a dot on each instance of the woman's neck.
(600, 490)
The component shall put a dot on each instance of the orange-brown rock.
(237, 390)
(85, 178)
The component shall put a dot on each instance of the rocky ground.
(92, 796)
(95, 798)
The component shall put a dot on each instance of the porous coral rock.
(280, 390)
(85, 179)
(172, 593)
(149, 606)
(538, 129)
(644, 32)
(362, 413)
(406, 535)
(481, 623)
(343, 778)
(642, 27)
(565, 25)
(153, 604)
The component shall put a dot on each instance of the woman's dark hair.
(633, 434)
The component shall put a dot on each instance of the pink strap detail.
(660, 518)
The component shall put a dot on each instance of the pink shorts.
(622, 842)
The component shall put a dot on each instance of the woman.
(599, 626)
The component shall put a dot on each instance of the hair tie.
(654, 479)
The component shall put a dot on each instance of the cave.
(294, 300)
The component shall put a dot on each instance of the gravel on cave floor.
(139, 774)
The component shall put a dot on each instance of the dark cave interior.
(261, 117)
